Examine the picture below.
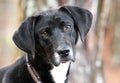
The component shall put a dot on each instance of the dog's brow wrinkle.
(57, 18)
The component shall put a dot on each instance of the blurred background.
(97, 60)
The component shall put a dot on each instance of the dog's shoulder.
(2, 72)
(11, 71)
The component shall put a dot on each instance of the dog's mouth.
(63, 56)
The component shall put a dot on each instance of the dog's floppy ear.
(24, 36)
(81, 17)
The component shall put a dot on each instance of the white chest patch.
(59, 73)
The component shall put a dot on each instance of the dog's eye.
(67, 28)
(44, 34)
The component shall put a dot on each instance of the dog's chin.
(57, 59)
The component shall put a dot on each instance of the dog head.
(54, 32)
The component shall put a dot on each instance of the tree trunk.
(103, 14)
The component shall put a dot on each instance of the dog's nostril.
(64, 53)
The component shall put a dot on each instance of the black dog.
(48, 40)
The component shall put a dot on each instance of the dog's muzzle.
(63, 55)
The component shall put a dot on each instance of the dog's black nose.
(64, 53)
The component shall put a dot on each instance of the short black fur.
(48, 39)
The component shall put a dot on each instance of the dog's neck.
(42, 66)
(57, 74)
